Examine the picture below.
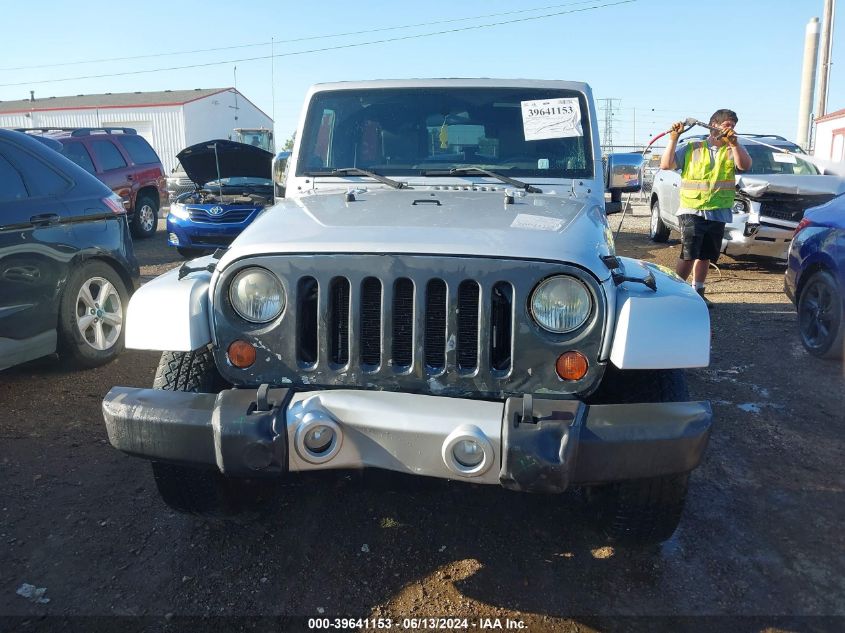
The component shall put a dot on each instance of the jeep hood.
(430, 221)
(201, 161)
(758, 185)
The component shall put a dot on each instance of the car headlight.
(740, 206)
(180, 211)
(561, 304)
(257, 295)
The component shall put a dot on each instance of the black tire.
(641, 511)
(190, 253)
(657, 229)
(821, 322)
(92, 312)
(145, 218)
(204, 491)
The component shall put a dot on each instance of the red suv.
(124, 161)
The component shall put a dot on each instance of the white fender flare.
(169, 314)
(666, 329)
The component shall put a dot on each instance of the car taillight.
(114, 203)
(803, 224)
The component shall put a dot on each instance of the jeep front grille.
(456, 326)
(424, 316)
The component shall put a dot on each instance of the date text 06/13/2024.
(416, 624)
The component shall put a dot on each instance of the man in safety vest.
(707, 192)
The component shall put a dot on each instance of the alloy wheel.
(99, 313)
(816, 318)
(146, 217)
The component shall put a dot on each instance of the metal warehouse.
(170, 120)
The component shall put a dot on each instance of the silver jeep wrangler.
(437, 294)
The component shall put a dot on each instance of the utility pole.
(635, 128)
(826, 49)
(808, 81)
(607, 141)
(273, 77)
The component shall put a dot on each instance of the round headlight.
(560, 304)
(257, 295)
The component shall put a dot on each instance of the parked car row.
(123, 160)
(67, 264)
(785, 208)
(771, 199)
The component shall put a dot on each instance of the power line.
(319, 50)
(290, 41)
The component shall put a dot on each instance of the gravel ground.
(760, 546)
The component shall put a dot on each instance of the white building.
(830, 136)
(170, 120)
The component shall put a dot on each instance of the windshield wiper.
(484, 172)
(355, 171)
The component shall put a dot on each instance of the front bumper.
(528, 443)
(750, 234)
(190, 234)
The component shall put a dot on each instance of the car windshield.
(518, 132)
(765, 160)
(240, 181)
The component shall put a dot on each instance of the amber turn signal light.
(241, 354)
(571, 366)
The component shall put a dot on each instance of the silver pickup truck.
(437, 294)
(771, 199)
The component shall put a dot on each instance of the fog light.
(571, 366)
(319, 439)
(173, 238)
(468, 453)
(241, 354)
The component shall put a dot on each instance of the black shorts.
(700, 238)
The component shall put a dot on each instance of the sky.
(658, 60)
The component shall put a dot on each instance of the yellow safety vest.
(705, 185)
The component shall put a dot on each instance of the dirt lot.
(760, 546)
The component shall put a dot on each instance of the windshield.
(240, 181)
(765, 160)
(528, 132)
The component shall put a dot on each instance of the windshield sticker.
(779, 157)
(551, 118)
(536, 222)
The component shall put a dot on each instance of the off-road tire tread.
(640, 511)
(640, 385)
(645, 511)
(205, 492)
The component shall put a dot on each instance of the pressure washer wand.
(689, 123)
(806, 158)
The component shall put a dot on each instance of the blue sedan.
(815, 278)
(233, 186)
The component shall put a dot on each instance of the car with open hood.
(770, 201)
(438, 294)
(232, 185)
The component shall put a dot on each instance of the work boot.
(707, 301)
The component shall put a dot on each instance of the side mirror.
(280, 167)
(623, 173)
